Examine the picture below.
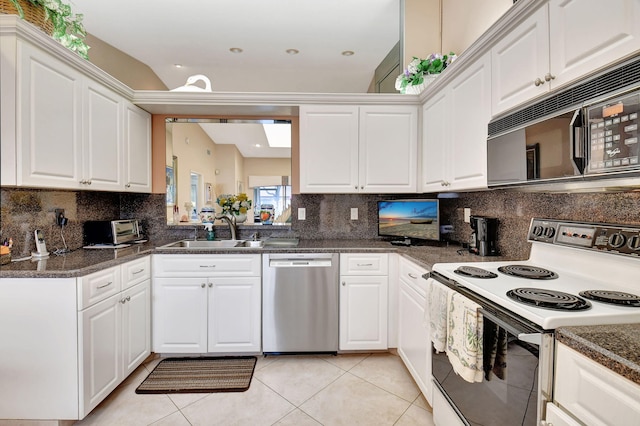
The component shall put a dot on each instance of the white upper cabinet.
(137, 149)
(559, 43)
(63, 127)
(49, 126)
(454, 131)
(588, 34)
(519, 62)
(349, 149)
(102, 134)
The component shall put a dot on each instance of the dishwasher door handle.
(300, 263)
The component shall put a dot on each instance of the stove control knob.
(537, 230)
(634, 242)
(549, 232)
(617, 240)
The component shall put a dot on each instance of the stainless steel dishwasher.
(300, 303)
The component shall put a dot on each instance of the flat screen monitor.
(410, 219)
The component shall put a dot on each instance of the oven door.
(516, 391)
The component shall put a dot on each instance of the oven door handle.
(533, 338)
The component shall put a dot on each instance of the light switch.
(302, 213)
(354, 213)
(467, 215)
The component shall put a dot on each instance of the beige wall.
(447, 25)
(123, 67)
(463, 21)
(229, 163)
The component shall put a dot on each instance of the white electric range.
(576, 274)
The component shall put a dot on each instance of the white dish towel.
(438, 298)
(464, 337)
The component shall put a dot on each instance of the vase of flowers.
(57, 20)
(235, 205)
(421, 72)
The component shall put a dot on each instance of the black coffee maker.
(484, 236)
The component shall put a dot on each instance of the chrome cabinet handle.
(128, 185)
(343, 283)
(210, 285)
(207, 266)
(538, 82)
(137, 272)
(365, 264)
(125, 299)
(362, 187)
(549, 77)
(106, 285)
(414, 276)
(203, 285)
(356, 187)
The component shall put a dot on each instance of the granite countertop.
(85, 261)
(616, 347)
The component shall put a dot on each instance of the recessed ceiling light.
(258, 145)
(292, 51)
(348, 53)
(177, 65)
(235, 50)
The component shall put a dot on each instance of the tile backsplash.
(328, 216)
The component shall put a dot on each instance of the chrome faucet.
(231, 221)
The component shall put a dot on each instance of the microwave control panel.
(612, 134)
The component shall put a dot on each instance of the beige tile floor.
(354, 389)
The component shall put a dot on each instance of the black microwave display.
(612, 135)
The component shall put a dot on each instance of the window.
(278, 196)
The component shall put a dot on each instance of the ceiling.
(198, 35)
(245, 136)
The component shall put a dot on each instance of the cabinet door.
(414, 345)
(586, 35)
(435, 138)
(102, 130)
(363, 312)
(49, 152)
(234, 314)
(470, 97)
(179, 315)
(136, 326)
(328, 149)
(137, 149)
(388, 149)
(517, 60)
(100, 351)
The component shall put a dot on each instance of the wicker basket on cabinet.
(32, 13)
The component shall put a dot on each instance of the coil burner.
(612, 297)
(549, 299)
(473, 272)
(526, 271)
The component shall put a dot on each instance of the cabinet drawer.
(411, 274)
(196, 265)
(98, 286)
(136, 271)
(364, 264)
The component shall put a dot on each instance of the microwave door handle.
(577, 142)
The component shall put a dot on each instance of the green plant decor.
(67, 27)
(418, 68)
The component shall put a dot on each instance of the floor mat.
(200, 375)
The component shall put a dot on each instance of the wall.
(266, 167)
(421, 29)
(123, 67)
(463, 21)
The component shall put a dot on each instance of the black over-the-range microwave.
(590, 141)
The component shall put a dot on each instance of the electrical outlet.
(302, 213)
(354, 213)
(467, 215)
(60, 217)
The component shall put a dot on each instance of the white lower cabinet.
(364, 299)
(215, 308)
(414, 345)
(73, 340)
(592, 393)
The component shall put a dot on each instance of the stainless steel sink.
(205, 244)
(281, 242)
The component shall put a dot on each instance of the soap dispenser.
(211, 235)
